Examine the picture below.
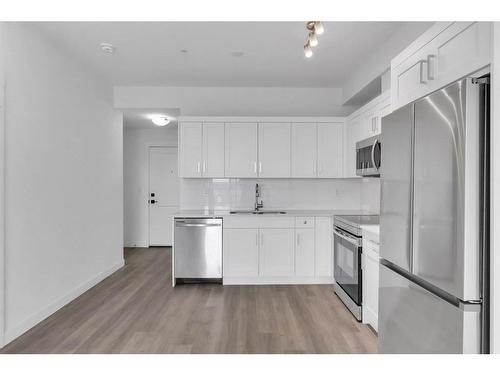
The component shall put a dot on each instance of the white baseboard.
(13, 333)
(261, 280)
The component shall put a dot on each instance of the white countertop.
(374, 229)
(222, 213)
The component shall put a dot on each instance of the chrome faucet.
(257, 195)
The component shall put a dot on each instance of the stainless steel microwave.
(368, 152)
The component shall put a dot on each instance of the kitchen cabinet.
(330, 140)
(304, 150)
(445, 53)
(241, 252)
(274, 149)
(277, 249)
(201, 150)
(217, 147)
(213, 150)
(323, 247)
(241, 149)
(304, 252)
(370, 259)
(190, 157)
(276, 255)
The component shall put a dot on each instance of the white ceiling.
(141, 118)
(149, 53)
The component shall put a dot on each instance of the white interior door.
(164, 194)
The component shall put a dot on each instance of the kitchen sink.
(253, 212)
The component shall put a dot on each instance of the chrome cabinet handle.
(257, 239)
(204, 167)
(422, 80)
(298, 239)
(430, 76)
(255, 167)
(260, 167)
(198, 167)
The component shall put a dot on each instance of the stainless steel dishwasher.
(197, 250)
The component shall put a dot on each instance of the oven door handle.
(342, 235)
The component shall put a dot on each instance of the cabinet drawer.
(257, 221)
(304, 222)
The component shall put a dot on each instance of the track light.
(318, 27)
(308, 50)
(313, 39)
(315, 28)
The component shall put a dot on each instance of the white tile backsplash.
(292, 194)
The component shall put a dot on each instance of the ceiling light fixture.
(315, 28)
(313, 39)
(108, 48)
(160, 120)
(308, 50)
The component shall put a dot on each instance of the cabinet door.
(304, 252)
(190, 149)
(274, 150)
(213, 150)
(330, 150)
(241, 253)
(304, 156)
(276, 254)
(370, 287)
(241, 149)
(324, 247)
(461, 49)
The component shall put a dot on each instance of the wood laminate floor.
(136, 310)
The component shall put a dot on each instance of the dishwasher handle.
(181, 224)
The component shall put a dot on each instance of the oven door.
(347, 257)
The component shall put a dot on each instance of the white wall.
(135, 178)
(291, 194)
(63, 179)
(380, 60)
(236, 101)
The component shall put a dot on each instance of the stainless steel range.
(347, 259)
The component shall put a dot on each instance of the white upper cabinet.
(213, 150)
(241, 149)
(201, 149)
(330, 140)
(190, 160)
(274, 150)
(304, 150)
(445, 53)
(217, 147)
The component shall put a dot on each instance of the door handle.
(430, 76)
(422, 80)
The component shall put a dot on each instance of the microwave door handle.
(373, 154)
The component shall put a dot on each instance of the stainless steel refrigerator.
(433, 292)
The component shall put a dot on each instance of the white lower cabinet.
(276, 256)
(324, 247)
(370, 278)
(304, 252)
(277, 250)
(241, 253)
